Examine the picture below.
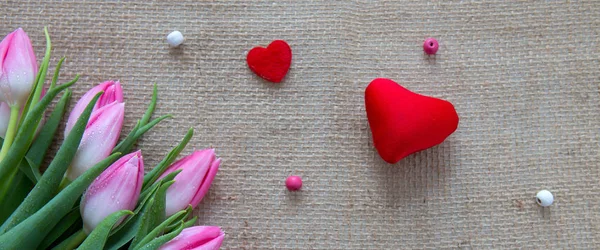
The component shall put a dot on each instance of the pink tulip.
(112, 93)
(198, 171)
(99, 138)
(196, 238)
(117, 188)
(18, 68)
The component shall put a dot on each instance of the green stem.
(8, 140)
(72, 242)
(11, 130)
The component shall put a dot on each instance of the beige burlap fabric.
(523, 75)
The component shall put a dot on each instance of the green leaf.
(150, 125)
(142, 125)
(38, 149)
(46, 188)
(126, 231)
(25, 167)
(42, 142)
(63, 225)
(145, 216)
(129, 228)
(182, 217)
(154, 215)
(76, 227)
(24, 137)
(18, 191)
(153, 175)
(156, 243)
(56, 72)
(151, 107)
(72, 242)
(129, 139)
(142, 201)
(159, 229)
(36, 92)
(190, 222)
(167, 178)
(28, 105)
(45, 64)
(23, 237)
(124, 148)
(99, 235)
(16, 153)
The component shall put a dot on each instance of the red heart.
(271, 63)
(403, 122)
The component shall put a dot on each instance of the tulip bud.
(197, 238)
(99, 138)
(112, 93)
(18, 68)
(117, 188)
(198, 171)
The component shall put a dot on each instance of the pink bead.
(293, 183)
(431, 46)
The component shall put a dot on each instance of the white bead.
(544, 198)
(175, 38)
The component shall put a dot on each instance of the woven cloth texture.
(523, 76)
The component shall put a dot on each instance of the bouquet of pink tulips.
(93, 194)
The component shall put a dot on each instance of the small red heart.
(271, 63)
(403, 122)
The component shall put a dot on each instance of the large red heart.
(271, 63)
(403, 122)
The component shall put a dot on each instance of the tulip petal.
(117, 188)
(213, 244)
(100, 137)
(4, 46)
(194, 168)
(198, 237)
(112, 93)
(18, 68)
(206, 182)
(20, 60)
